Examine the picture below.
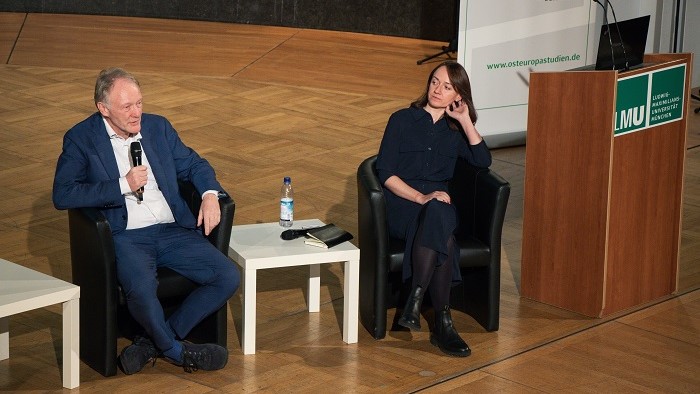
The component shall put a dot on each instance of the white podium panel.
(501, 42)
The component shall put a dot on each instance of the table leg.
(350, 301)
(4, 338)
(71, 343)
(314, 287)
(249, 302)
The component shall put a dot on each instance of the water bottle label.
(286, 209)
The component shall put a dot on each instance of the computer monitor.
(629, 38)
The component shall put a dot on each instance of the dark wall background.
(425, 19)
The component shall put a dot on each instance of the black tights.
(438, 279)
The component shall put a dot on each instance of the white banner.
(501, 42)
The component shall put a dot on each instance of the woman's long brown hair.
(460, 82)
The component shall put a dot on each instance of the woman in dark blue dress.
(416, 159)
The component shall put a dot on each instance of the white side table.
(259, 246)
(22, 290)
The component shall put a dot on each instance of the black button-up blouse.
(422, 153)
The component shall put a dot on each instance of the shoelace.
(189, 364)
(192, 359)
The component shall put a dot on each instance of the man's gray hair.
(105, 82)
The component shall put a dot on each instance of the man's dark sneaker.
(207, 357)
(135, 356)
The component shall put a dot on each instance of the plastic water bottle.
(287, 203)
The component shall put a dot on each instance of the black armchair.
(481, 197)
(103, 313)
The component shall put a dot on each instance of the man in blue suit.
(151, 224)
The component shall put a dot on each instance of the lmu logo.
(632, 117)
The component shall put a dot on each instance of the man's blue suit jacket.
(87, 174)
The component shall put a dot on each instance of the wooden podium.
(604, 185)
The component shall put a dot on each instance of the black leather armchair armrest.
(374, 244)
(492, 194)
(221, 234)
(481, 197)
(94, 270)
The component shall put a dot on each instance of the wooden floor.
(264, 102)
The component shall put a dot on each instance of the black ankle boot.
(446, 337)
(410, 318)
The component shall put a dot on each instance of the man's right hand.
(137, 177)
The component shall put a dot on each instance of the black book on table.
(327, 236)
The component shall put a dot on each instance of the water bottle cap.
(287, 179)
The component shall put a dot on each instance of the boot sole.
(411, 326)
(131, 372)
(435, 342)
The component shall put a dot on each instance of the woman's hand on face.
(459, 111)
(437, 195)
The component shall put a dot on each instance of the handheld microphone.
(135, 149)
(290, 234)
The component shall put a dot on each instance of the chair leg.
(374, 319)
(480, 296)
(98, 341)
(372, 302)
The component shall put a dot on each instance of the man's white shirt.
(154, 208)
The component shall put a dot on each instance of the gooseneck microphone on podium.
(607, 26)
(620, 42)
(136, 161)
(619, 37)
